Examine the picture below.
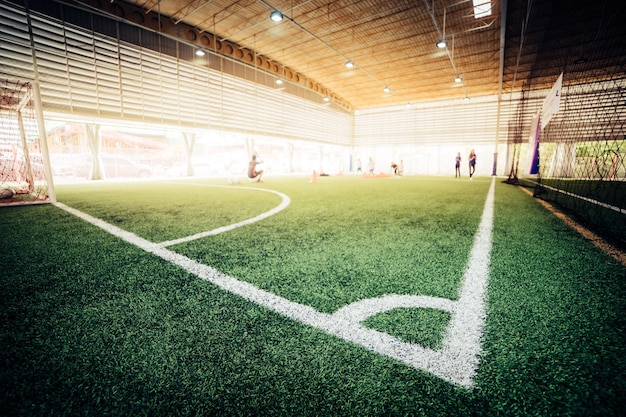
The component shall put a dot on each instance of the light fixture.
(386, 89)
(276, 16)
(350, 64)
(458, 79)
(442, 44)
(279, 81)
(466, 99)
(200, 52)
(326, 99)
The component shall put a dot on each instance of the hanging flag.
(552, 103)
(532, 156)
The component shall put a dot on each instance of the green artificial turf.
(424, 326)
(160, 211)
(91, 325)
(350, 239)
(599, 205)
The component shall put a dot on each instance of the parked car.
(114, 166)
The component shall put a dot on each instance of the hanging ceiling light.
(200, 52)
(326, 99)
(276, 16)
(442, 44)
(386, 89)
(350, 64)
(458, 79)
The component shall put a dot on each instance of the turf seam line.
(598, 241)
(456, 362)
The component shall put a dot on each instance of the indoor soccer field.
(408, 296)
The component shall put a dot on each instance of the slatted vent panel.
(87, 74)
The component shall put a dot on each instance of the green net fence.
(582, 152)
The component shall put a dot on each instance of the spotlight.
(326, 99)
(386, 89)
(279, 81)
(349, 64)
(200, 52)
(276, 16)
(442, 44)
(466, 99)
(458, 79)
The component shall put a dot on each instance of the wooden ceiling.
(392, 42)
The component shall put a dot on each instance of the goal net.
(25, 174)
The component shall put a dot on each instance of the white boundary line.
(457, 361)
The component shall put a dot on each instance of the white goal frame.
(26, 187)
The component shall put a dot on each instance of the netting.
(582, 162)
(22, 173)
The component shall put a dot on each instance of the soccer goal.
(25, 172)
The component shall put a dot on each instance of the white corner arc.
(284, 203)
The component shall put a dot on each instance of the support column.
(563, 160)
(95, 144)
(190, 142)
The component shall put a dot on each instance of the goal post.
(25, 170)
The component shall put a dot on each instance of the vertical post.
(321, 164)
(190, 141)
(28, 168)
(43, 139)
(250, 147)
(503, 7)
(93, 139)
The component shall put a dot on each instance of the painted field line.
(457, 361)
(284, 203)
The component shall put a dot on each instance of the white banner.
(552, 102)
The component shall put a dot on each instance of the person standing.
(252, 172)
(457, 165)
(472, 163)
(371, 166)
